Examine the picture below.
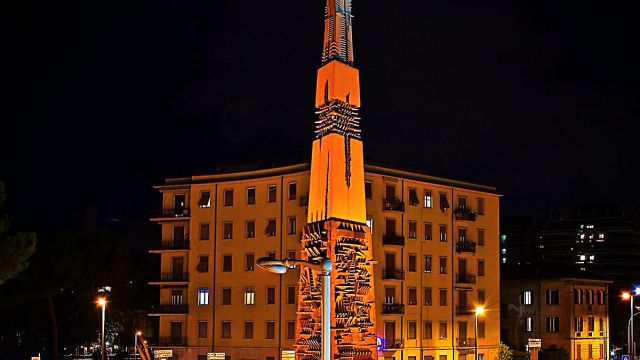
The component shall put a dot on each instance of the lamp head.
(479, 310)
(102, 301)
(637, 291)
(272, 265)
(626, 296)
(139, 333)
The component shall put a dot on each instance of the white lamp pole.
(102, 302)
(324, 265)
(479, 311)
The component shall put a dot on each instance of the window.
(481, 237)
(601, 325)
(228, 197)
(427, 357)
(428, 231)
(481, 296)
(601, 299)
(411, 330)
(271, 227)
(441, 357)
(413, 197)
(526, 297)
(480, 267)
(271, 295)
(249, 296)
(227, 230)
(203, 296)
(367, 189)
(428, 200)
(202, 329)
(201, 357)
(291, 225)
(443, 331)
(590, 351)
(251, 196)
(204, 231)
(427, 264)
(249, 262)
(553, 297)
(480, 206)
(205, 199)
(250, 229)
(291, 294)
(178, 299)
(591, 323)
(271, 254)
(270, 330)
(443, 297)
(462, 234)
(291, 330)
(589, 297)
(462, 202)
(413, 296)
(553, 324)
(412, 263)
(226, 296)
(203, 264)
(292, 194)
(443, 233)
(444, 203)
(528, 324)
(578, 351)
(443, 265)
(428, 297)
(291, 254)
(178, 234)
(248, 329)
(413, 229)
(427, 332)
(271, 193)
(481, 329)
(577, 296)
(370, 224)
(226, 330)
(227, 263)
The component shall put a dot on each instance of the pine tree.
(15, 249)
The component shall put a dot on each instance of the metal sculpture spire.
(338, 44)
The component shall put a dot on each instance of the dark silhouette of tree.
(15, 249)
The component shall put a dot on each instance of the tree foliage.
(15, 249)
(504, 352)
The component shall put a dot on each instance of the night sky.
(101, 100)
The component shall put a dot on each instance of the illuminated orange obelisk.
(336, 227)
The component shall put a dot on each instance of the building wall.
(239, 279)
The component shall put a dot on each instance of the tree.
(15, 249)
(504, 353)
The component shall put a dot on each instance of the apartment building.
(569, 314)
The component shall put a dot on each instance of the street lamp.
(630, 346)
(479, 311)
(135, 344)
(102, 302)
(324, 266)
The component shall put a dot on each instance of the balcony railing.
(174, 213)
(172, 309)
(392, 274)
(465, 310)
(170, 276)
(465, 279)
(393, 204)
(174, 245)
(393, 308)
(465, 214)
(466, 246)
(392, 240)
(465, 342)
(391, 344)
(172, 341)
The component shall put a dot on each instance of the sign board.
(35, 358)
(215, 356)
(625, 357)
(162, 354)
(288, 354)
(534, 343)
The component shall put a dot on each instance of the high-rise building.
(413, 254)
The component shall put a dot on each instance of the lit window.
(526, 297)
(205, 199)
(370, 224)
(249, 296)
(203, 296)
(428, 199)
(528, 324)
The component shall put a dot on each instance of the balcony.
(170, 277)
(465, 279)
(465, 342)
(465, 214)
(393, 308)
(393, 240)
(172, 341)
(466, 246)
(392, 274)
(392, 204)
(174, 245)
(465, 310)
(175, 213)
(391, 344)
(171, 309)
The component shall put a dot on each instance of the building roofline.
(250, 172)
(572, 279)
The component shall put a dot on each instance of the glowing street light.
(102, 302)
(630, 346)
(479, 311)
(135, 344)
(324, 266)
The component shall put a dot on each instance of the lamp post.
(324, 266)
(102, 302)
(479, 311)
(135, 344)
(630, 346)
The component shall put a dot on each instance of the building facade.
(566, 314)
(414, 254)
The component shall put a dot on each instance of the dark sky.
(100, 100)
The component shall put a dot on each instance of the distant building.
(565, 313)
